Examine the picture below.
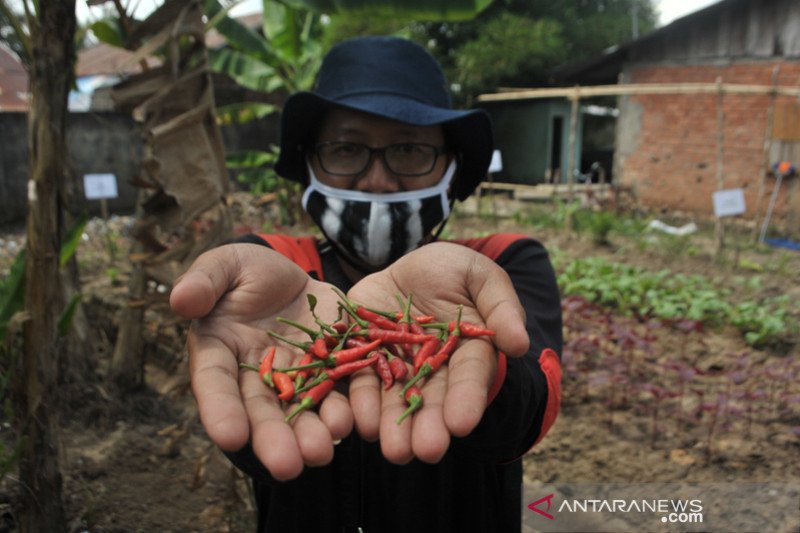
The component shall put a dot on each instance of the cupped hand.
(235, 293)
(439, 277)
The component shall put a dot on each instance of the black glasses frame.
(437, 151)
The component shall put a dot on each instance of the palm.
(439, 278)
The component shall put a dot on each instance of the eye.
(409, 149)
(346, 149)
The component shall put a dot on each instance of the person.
(383, 156)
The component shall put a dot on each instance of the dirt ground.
(143, 463)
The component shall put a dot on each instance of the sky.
(669, 9)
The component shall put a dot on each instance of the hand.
(439, 276)
(235, 293)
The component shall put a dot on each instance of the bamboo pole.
(573, 132)
(640, 88)
(767, 150)
(719, 226)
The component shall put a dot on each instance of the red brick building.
(676, 149)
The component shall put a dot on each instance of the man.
(383, 156)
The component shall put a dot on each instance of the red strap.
(492, 245)
(551, 366)
(300, 250)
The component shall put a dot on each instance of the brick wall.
(671, 160)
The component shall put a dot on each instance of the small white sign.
(729, 202)
(497, 162)
(100, 186)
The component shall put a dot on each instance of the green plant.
(675, 296)
(598, 223)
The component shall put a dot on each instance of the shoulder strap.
(300, 250)
(492, 245)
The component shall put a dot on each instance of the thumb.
(497, 302)
(196, 292)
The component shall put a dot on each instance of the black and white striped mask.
(375, 229)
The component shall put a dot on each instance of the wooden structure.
(706, 103)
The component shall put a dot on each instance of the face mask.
(373, 230)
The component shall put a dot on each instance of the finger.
(336, 413)
(430, 437)
(470, 373)
(395, 438)
(365, 401)
(273, 440)
(496, 300)
(196, 292)
(214, 377)
(313, 438)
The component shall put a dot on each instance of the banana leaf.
(422, 10)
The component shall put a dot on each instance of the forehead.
(348, 124)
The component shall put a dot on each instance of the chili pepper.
(384, 371)
(471, 330)
(337, 373)
(431, 365)
(311, 398)
(398, 368)
(352, 354)
(396, 337)
(284, 385)
(374, 318)
(265, 368)
(302, 373)
(354, 342)
(427, 349)
(347, 369)
(419, 319)
(413, 397)
(406, 347)
(319, 348)
(339, 327)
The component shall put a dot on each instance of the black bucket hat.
(393, 78)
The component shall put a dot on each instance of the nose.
(377, 178)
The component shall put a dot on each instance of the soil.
(143, 463)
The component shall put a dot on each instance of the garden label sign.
(100, 187)
(729, 202)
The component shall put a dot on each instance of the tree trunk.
(50, 80)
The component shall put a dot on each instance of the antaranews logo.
(535, 506)
(671, 510)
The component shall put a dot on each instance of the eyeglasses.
(351, 159)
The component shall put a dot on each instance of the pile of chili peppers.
(401, 348)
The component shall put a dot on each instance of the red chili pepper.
(265, 368)
(384, 371)
(352, 354)
(354, 342)
(284, 385)
(301, 375)
(427, 349)
(471, 330)
(431, 365)
(339, 327)
(413, 397)
(375, 318)
(419, 319)
(347, 369)
(320, 348)
(312, 397)
(406, 347)
(398, 368)
(396, 337)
